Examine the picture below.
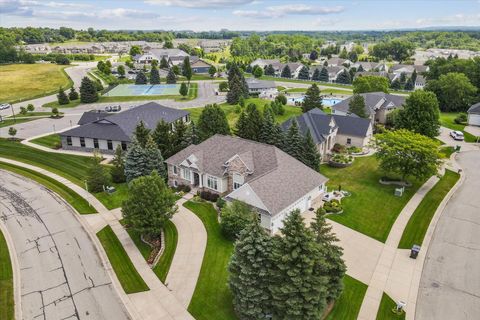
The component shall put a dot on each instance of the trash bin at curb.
(414, 251)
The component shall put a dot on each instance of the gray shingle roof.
(277, 178)
(260, 84)
(91, 116)
(318, 123)
(121, 126)
(373, 101)
(475, 109)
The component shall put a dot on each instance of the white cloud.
(200, 3)
(320, 22)
(289, 9)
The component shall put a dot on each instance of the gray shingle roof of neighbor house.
(277, 178)
(91, 116)
(318, 123)
(260, 84)
(373, 100)
(475, 109)
(121, 126)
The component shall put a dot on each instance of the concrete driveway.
(450, 283)
(61, 273)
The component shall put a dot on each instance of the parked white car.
(457, 135)
(4, 106)
(115, 108)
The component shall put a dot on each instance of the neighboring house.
(408, 69)
(104, 131)
(198, 65)
(295, 68)
(261, 175)
(327, 130)
(370, 66)
(338, 62)
(420, 82)
(173, 55)
(333, 72)
(262, 63)
(474, 115)
(264, 88)
(377, 105)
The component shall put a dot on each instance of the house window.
(124, 145)
(236, 185)
(175, 170)
(260, 218)
(109, 145)
(349, 140)
(212, 183)
(69, 140)
(175, 183)
(186, 174)
(95, 143)
(82, 142)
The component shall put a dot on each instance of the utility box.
(414, 251)
(457, 148)
(399, 191)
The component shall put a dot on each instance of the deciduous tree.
(212, 121)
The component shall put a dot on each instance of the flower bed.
(339, 160)
(333, 206)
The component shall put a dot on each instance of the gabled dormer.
(237, 164)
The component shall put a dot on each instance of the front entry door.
(196, 179)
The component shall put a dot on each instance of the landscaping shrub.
(209, 196)
(338, 148)
(281, 99)
(223, 86)
(235, 217)
(354, 150)
(341, 158)
(332, 206)
(221, 202)
(184, 188)
(461, 118)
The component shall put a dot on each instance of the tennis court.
(125, 90)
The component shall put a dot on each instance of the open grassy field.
(385, 310)
(171, 239)
(126, 273)
(71, 197)
(212, 299)
(348, 305)
(232, 116)
(51, 141)
(20, 82)
(372, 208)
(418, 224)
(447, 120)
(7, 309)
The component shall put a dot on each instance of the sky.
(259, 15)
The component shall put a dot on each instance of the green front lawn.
(7, 304)
(113, 200)
(420, 220)
(128, 276)
(144, 248)
(55, 104)
(51, 141)
(372, 208)
(232, 116)
(348, 305)
(446, 152)
(385, 310)
(71, 197)
(212, 299)
(7, 122)
(171, 239)
(447, 120)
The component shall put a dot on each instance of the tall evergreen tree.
(360, 68)
(118, 169)
(304, 73)
(316, 75)
(141, 133)
(312, 99)
(324, 75)
(334, 267)
(253, 123)
(164, 63)
(183, 89)
(62, 97)
(396, 85)
(269, 70)
(154, 75)
(171, 77)
(180, 138)
(311, 156)
(141, 78)
(235, 92)
(409, 85)
(268, 134)
(357, 106)
(212, 121)
(88, 91)
(286, 72)
(187, 69)
(241, 125)
(414, 76)
(192, 134)
(97, 175)
(162, 135)
(298, 289)
(294, 141)
(73, 95)
(250, 267)
(344, 77)
(135, 160)
(154, 159)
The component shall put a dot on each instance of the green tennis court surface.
(123, 90)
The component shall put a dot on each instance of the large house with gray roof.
(264, 88)
(377, 105)
(174, 56)
(105, 131)
(261, 175)
(327, 130)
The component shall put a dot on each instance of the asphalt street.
(61, 273)
(450, 283)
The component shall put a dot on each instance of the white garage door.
(474, 119)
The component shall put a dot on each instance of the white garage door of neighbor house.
(474, 119)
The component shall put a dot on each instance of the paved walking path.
(187, 261)
(158, 303)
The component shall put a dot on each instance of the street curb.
(15, 270)
(420, 263)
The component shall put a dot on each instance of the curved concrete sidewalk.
(158, 303)
(187, 261)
